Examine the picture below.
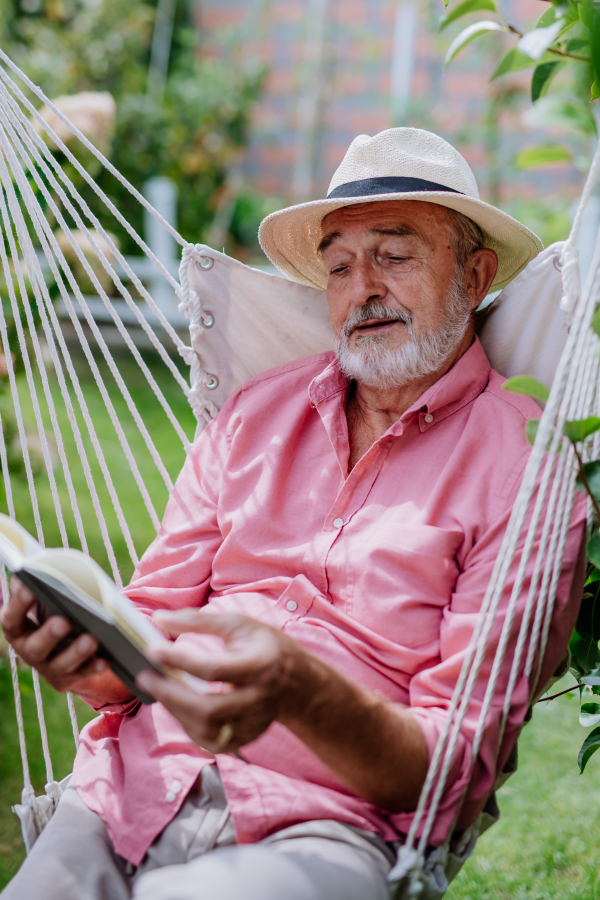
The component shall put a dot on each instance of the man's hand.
(74, 668)
(259, 668)
(375, 747)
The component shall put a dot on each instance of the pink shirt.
(380, 572)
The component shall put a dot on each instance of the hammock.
(242, 322)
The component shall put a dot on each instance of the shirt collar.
(460, 385)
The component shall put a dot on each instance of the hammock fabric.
(243, 322)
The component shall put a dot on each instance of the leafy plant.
(584, 644)
(565, 39)
(193, 134)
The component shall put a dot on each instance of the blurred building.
(338, 68)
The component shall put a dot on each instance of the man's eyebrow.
(396, 230)
(325, 242)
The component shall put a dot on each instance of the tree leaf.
(559, 111)
(596, 321)
(579, 429)
(536, 157)
(595, 89)
(589, 714)
(592, 678)
(536, 42)
(586, 12)
(593, 550)
(585, 651)
(469, 34)
(541, 78)
(588, 748)
(463, 9)
(591, 472)
(525, 384)
(514, 61)
(531, 429)
(588, 620)
(595, 42)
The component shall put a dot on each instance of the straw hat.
(397, 164)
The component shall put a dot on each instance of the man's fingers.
(20, 591)
(36, 647)
(13, 614)
(238, 667)
(74, 657)
(202, 715)
(176, 622)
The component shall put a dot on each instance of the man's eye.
(337, 270)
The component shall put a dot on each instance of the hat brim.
(290, 237)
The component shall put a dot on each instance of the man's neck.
(371, 411)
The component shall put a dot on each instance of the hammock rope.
(572, 396)
(537, 529)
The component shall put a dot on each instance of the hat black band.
(387, 185)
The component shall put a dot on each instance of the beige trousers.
(196, 858)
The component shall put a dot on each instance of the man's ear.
(480, 272)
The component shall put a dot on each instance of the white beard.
(373, 364)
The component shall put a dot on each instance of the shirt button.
(176, 786)
(291, 605)
(337, 523)
(428, 418)
(169, 796)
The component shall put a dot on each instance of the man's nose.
(366, 284)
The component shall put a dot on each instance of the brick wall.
(348, 90)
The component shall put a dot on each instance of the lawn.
(544, 847)
(172, 453)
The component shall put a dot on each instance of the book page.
(16, 544)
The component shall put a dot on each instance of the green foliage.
(194, 135)
(596, 321)
(536, 157)
(542, 78)
(579, 429)
(464, 8)
(515, 61)
(525, 384)
(531, 430)
(589, 480)
(469, 34)
(589, 746)
(593, 550)
(565, 39)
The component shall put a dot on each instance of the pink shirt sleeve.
(175, 570)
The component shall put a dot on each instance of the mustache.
(375, 310)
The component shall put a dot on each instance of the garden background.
(245, 107)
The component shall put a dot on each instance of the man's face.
(392, 286)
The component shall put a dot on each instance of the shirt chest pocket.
(404, 576)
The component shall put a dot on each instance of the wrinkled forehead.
(417, 218)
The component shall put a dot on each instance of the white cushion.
(262, 321)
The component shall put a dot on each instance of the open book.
(70, 584)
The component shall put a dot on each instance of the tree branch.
(564, 53)
(560, 693)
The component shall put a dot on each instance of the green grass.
(172, 453)
(544, 847)
(60, 738)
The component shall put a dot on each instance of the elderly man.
(322, 559)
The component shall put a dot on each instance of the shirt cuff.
(127, 708)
